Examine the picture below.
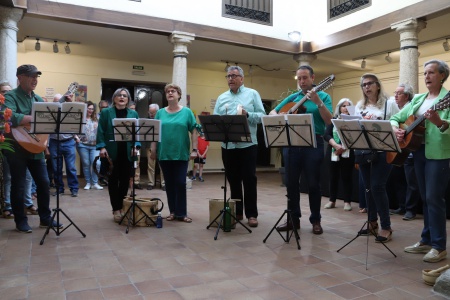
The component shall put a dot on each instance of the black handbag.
(363, 157)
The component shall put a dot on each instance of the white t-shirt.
(375, 113)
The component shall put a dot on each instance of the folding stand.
(59, 118)
(288, 131)
(126, 130)
(367, 135)
(226, 128)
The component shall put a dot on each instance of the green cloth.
(105, 132)
(21, 105)
(175, 139)
(437, 144)
(311, 108)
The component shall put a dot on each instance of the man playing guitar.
(20, 101)
(319, 104)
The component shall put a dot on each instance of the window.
(340, 8)
(256, 11)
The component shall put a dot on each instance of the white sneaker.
(97, 187)
(88, 186)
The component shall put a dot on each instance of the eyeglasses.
(171, 92)
(122, 95)
(90, 109)
(398, 93)
(367, 84)
(232, 76)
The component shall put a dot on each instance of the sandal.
(7, 214)
(363, 210)
(185, 219)
(171, 217)
(384, 239)
(31, 210)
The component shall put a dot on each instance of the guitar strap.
(385, 108)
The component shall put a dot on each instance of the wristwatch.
(443, 127)
(194, 150)
(320, 105)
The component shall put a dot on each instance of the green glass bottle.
(227, 218)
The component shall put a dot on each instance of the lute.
(414, 134)
(293, 107)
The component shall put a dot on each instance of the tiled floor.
(183, 261)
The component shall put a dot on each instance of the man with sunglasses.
(20, 101)
(239, 159)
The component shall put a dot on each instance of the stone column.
(180, 40)
(305, 59)
(409, 53)
(8, 43)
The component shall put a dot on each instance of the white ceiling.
(148, 48)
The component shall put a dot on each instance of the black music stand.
(373, 135)
(50, 121)
(226, 128)
(289, 130)
(126, 130)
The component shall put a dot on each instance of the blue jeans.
(308, 160)
(432, 177)
(66, 150)
(175, 176)
(375, 176)
(87, 155)
(19, 189)
(7, 185)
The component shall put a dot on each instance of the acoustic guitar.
(35, 143)
(414, 134)
(293, 107)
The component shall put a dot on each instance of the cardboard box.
(215, 205)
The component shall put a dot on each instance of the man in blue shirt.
(309, 160)
(239, 159)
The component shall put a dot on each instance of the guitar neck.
(297, 105)
(414, 124)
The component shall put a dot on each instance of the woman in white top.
(375, 105)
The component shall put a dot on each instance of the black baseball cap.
(27, 70)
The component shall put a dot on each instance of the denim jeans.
(175, 175)
(87, 155)
(432, 177)
(308, 160)
(412, 190)
(375, 176)
(7, 185)
(240, 167)
(19, 188)
(66, 150)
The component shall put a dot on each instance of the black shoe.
(288, 226)
(317, 228)
(60, 193)
(398, 211)
(149, 187)
(74, 193)
(138, 186)
(23, 227)
(163, 188)
(103, 182)
(409, 216)
(54, 224)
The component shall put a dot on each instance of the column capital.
(181, 37)
(304, 59)
(9, 16)
(409, 25)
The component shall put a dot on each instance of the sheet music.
(289, 130)
(379, 132)
(45, 114)
(146, 130)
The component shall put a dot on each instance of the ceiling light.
(226, 67)
(295, 36)
(445, 45)
(37, 47)
(363, 63)
(388, 58)
(67, 48)
(250, 70)
(55, 47)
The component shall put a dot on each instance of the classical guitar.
(414, 134)
(295, 107)
(35, 143)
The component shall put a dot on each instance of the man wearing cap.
(20, 101)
